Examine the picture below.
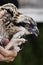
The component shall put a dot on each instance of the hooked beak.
(34, 31)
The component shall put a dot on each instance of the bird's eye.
(27, 25)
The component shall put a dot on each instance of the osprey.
(14, 25)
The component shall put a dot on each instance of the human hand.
(7, 55)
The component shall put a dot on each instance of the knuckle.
(12, 59)
(15, 54)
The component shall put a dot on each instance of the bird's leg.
(15, 41)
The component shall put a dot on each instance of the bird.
(16, 25)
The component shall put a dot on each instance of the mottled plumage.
(15, 25)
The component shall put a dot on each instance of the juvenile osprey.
(14, 25)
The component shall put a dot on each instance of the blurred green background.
(32, 52)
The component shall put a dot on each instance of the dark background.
(15, 2)
(32, 52)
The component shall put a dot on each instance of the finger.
(7, 52)
(12, 59)
(2, 58)
(12, 53)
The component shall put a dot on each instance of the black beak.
(35, 31)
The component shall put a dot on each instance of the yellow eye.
(26, 25)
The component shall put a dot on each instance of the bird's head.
(29, 25)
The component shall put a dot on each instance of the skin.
(6, 55)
